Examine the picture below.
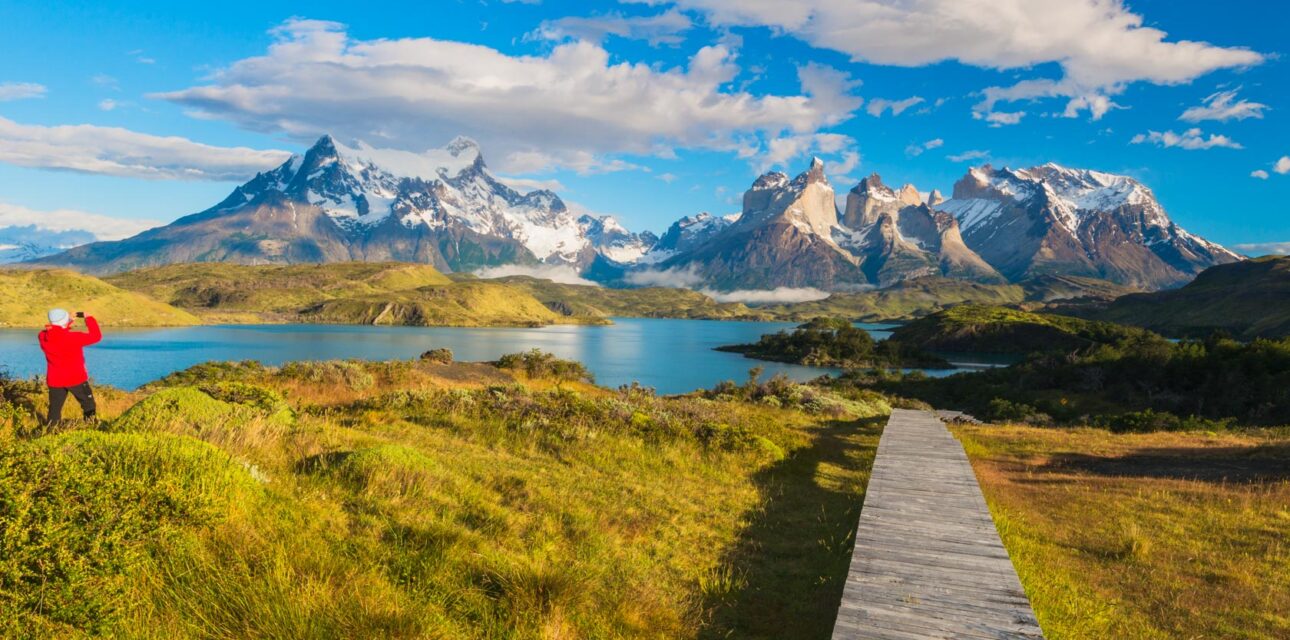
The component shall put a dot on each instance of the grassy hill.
(990, 329)
(26, 295)
(419, 500)
(649, 302)
(343, 293)
(1247, 299)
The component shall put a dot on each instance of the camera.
(80, 314)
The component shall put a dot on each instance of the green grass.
(26, 295)
(648, 302)
(1143, 535)
(994, 329)
(415, 499)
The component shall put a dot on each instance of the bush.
(79, 509)
(438, 356)
(349, 373)
(187, 410)
(539, 364)
(266, 401)
(1148, 421)
(1001, 410)
(209, 372)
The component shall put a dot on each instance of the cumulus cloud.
(1255, 249)
(20, 90)
(968, 156)
(524, 185)
(1191, 139)
(1260, 174)
(778, 295)
(122, 152)
(568, 107)
(60, 220)
(1282, 166)
(563, 274)
(918, 149)
(662, 29)
(783, 149)
(1223, 106)
(674, 278)
(1100, 45)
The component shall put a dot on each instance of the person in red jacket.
(66, 362)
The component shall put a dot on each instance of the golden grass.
(26, 295)
(1162, 535)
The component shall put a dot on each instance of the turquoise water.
(673, 356)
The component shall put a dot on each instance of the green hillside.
(1247, 299)
(648, 302)
(989, 329)
(26, 295)
(343, 293)
(420, 500)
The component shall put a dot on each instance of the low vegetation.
(648, 302)
(26, 295)
(1151, 536)
(414, 499)
(834, 342)
(991, 329)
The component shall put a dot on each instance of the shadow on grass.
(790, 564)
(1209, 464)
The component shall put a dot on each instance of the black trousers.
(83, 394)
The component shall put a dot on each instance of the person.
(65, 360)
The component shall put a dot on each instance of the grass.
(1163, 535)
(29, 293)
(994, 329)
(418, 499)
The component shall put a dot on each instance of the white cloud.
(674, 278)
(121, 152)
(968, 156)
(563, 274)
(525, 185)
(850, 160)
(568, 107)
(999, 118)
(1220, 106)
(1100, 45)
(778, 295)
(1191, 139)
(877, 106)
(103, 227)
(1263, 248)
(1282, 166)
(21, 90)
(108, 104)
(662, 29)
(918, 149)
(1260, 174)
(780, 151)
(667, 177)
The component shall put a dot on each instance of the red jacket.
(63, 352)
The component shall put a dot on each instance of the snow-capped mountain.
(336, 203)
(1056, 220)
(19, 243)
(789, 234)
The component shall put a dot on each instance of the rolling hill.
(26, 295)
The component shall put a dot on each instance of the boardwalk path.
(928, 562)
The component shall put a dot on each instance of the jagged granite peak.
(806, 201)
(340, 202)
(935, 198)
(909, 195)
(867, 201)
(1052, 219)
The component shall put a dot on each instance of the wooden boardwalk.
(928, 562)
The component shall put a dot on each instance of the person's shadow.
(790, 564)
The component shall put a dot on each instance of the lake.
(673, 356)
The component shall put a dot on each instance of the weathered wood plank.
(928, 562)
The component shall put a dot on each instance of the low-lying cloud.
(674, 278)
(778, 295)
(563, 274)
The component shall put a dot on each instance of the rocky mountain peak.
(872, 184)
(935, 198)
(909, 195)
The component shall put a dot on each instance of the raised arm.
(92, 333)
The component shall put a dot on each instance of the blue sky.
(650, 110)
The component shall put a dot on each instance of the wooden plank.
(928, 562)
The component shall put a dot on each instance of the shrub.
(442, 355)
(266, 401)
(1147, 421)
(350, 373)
(209, 372)
(1002, 410)
(539, 364)
(79, 509)
(181, 410)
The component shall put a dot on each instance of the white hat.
(60, 317)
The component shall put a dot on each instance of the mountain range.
(445, 208)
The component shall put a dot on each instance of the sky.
(114, 118)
